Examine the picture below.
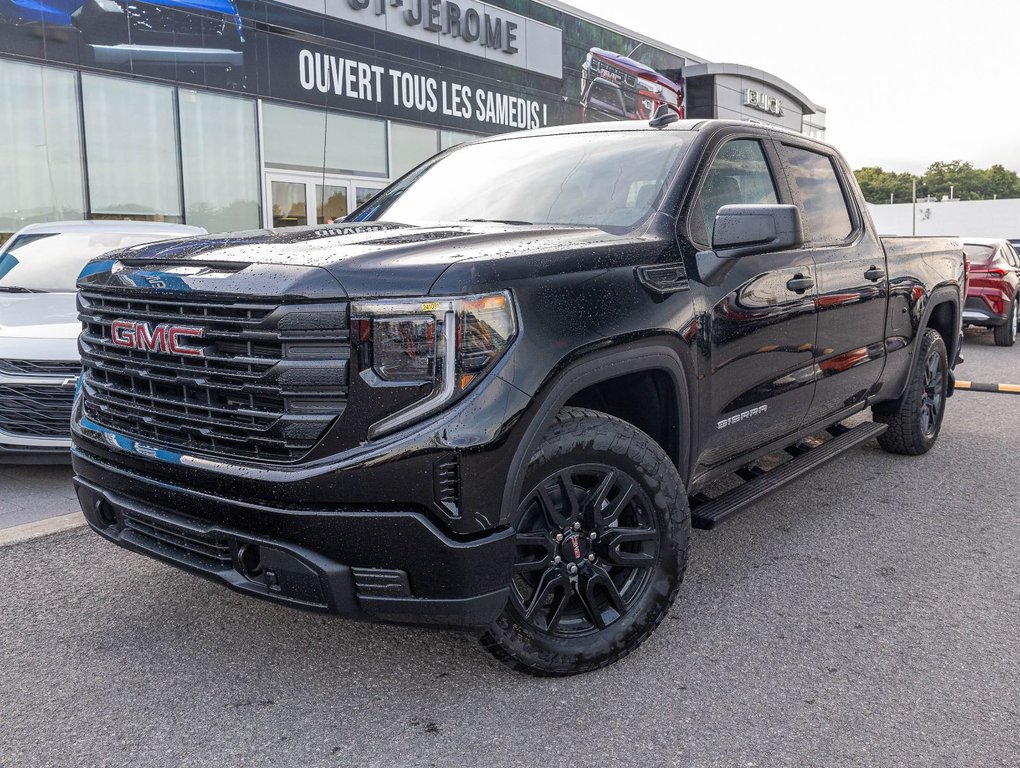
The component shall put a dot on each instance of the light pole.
(913, 207)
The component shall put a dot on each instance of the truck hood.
(38, 326)
(368, 260)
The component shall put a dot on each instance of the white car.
(39, 326)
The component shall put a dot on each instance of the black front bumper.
(372, 564)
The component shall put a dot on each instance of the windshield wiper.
(18, 289)
(500, 221)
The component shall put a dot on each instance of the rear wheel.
(1005, 334)
(916, 418)
(602, 533)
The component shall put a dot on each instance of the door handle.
(800, 283)
(875, 273)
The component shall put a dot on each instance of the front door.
(298, 200)
(761, 319)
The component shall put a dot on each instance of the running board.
(708, 513)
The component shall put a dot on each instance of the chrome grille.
(40, 367)
(272, 378)
(36, 410)
(613, 73)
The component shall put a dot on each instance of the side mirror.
(742, 230)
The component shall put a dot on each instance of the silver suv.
(39, 326)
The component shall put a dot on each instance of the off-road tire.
(577, 440)
(907, 433)
(1005, 334)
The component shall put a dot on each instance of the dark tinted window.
(739, 176)
(820, 195)
(1011, 256)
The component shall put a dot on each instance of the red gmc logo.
(165, 337)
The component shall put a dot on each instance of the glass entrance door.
(289, 203)
(331, 202)
(299, 200)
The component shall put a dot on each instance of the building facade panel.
(204, 111)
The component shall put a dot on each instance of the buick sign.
(762, 101)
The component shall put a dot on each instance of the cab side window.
(819, 195)
(739, 175)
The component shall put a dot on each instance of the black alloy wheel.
(586, 544)
(603, 528)
(933, 398)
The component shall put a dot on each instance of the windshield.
(52, 264)
(608, 180)
(21, 240)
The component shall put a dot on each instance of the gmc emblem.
(165, 337)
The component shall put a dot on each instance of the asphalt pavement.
(30, 493)
(868, 615)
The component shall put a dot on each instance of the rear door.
(850, 278)
(761, 331)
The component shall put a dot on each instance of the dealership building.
(237, 114)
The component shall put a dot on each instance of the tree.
(1001, 183)
(878, 185)
(956, 178)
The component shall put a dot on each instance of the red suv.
(994, 289)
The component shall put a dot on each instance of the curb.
(39, 528)
(975, 386)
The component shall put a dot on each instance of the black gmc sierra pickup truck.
(498, 395)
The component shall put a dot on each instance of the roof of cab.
(620, 126)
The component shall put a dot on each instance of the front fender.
(592, 369)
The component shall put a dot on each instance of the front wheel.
(602, 533)
(1005, 334)
(916, 418)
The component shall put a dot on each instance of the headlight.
(445, 344)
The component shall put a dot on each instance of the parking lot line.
(20, 533)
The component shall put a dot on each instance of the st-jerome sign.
(465, 26)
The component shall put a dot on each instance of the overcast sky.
(904, 83)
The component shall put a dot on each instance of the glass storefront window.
(131, 149)
(293, 137)
(40, 147)
(449, 139)
(355, 145)
(302, 139)
(219, 152)
(411, 145)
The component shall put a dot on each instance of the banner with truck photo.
(471, 66)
